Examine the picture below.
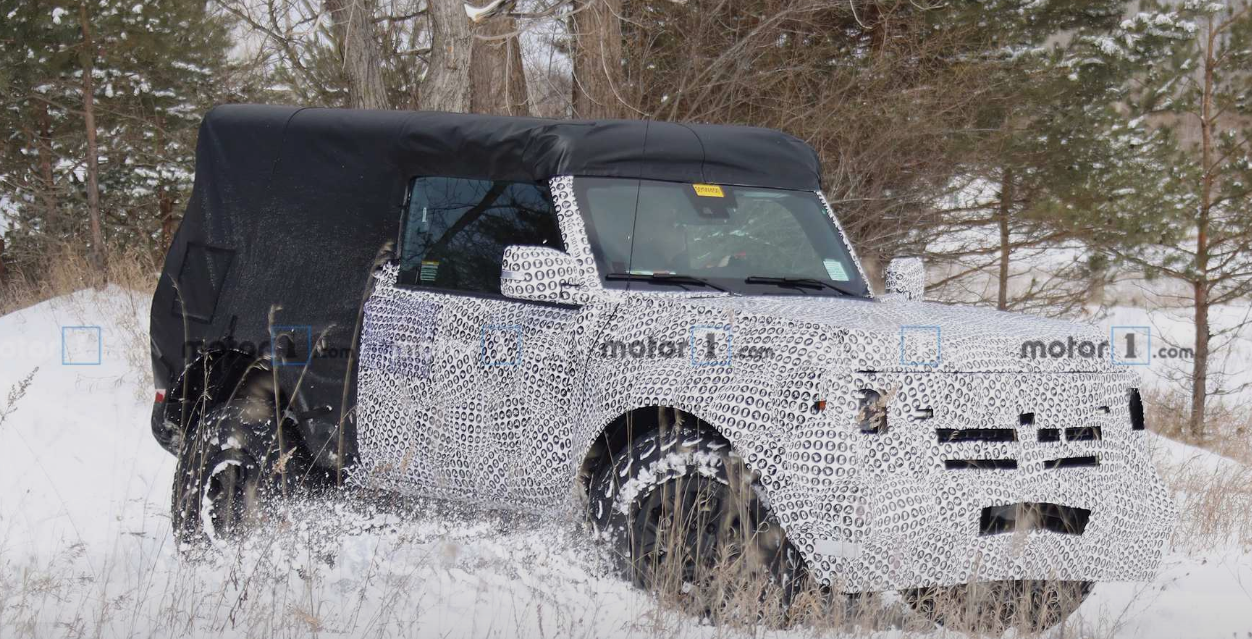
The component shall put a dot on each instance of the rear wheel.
(688, 522)
(229, 470)
(992, 607)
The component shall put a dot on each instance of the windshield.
(747, 240)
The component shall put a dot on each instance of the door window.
(456, 229)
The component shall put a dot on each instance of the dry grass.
(68, 270)
(1227, 428)
(16, 393)
(1214, 497)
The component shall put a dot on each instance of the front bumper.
(908, 507)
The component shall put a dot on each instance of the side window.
(455, 230)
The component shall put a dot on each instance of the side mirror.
(541, 274)
(906, 277)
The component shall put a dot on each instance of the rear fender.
(214, 377)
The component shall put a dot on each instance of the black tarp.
(290, 207)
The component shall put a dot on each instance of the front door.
(458, 386)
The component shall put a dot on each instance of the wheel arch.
(213, 378)
(624, 428)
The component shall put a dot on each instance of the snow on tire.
(688, 522)
(226, 473)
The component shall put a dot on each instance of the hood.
(894, 334)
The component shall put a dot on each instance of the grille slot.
(1033, 516)
(1072, 462)
(1049, 434)
(993, 464)
(1084, 434)
(948, 435)
(1136, 410)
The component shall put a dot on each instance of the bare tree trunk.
(46, 194)
(1, 260)
(597, 58)
(871, 262)
(447, 85)
(497, 79)
(165, 194)
(1199, 371)
(353, 29)
(167, 219)
(93, 158)
(1006, 208)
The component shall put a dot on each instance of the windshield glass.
(718, 233)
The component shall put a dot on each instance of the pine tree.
(1196, 227)
(1053, 149)
(41, 156)
(155, 67)
(161, 65)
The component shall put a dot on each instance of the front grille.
(1033, 516)
(1072, 462)
(1084, 434)
(994, 464)
(1060, 422)
(950, 435)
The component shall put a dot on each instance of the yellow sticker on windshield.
(708, 190)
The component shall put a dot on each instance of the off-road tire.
(230, 469)
(993, 607)
(727, 555)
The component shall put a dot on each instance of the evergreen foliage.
(157, 66)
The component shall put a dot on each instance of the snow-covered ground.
(86, 550)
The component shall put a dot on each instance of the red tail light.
(160, 396)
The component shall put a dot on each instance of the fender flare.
(212, 378)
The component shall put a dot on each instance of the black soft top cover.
(290, 206)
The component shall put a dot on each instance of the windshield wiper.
(677, 279)
(799, 282)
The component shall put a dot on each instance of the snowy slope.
(85, 535)
(85, 545)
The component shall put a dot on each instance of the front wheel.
(688, 523)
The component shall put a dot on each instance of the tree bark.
(1199, 370)
(88, 57)
(166, 205)
(447, 85)
(165, 193)
(1006, 209)
(597, 30)
(46, 193)
(497, 78)
(353, 28)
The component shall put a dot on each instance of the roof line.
(704, 154)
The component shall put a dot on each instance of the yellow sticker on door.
(708, 190)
